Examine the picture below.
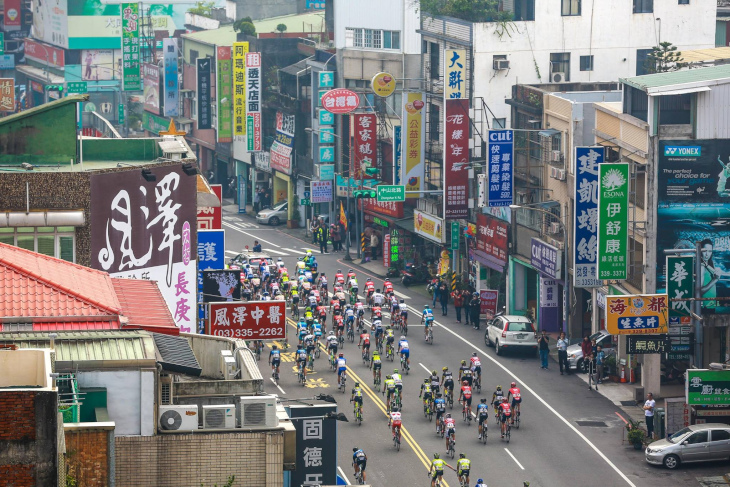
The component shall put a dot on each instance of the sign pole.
(696, 317)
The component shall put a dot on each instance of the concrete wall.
(180, 460)
(25, 368)
(397, 15)
(263, 9)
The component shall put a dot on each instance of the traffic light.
(365, 193)
(372, 171)
(58, 88)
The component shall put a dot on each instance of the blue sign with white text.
(585, 223)
(545, 259)
(397, 154)
(500, 166)
(211, 256)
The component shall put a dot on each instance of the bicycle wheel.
(517, 420)
(397, 441)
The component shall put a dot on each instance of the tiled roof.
(143, 305)
(38, 287)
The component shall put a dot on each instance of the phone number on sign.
(260, 334)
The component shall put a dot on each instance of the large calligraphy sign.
(251, 320)
(144, 228)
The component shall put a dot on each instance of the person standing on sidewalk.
(475, 308)
(335, 237)
(374, 242)
(563, 353)
(600, 356)
(543, 345)
(444, 298)
(458, 304)
(649, 414)
(585, 346)
(466, 295)
(322, 238)
(435, 287)
(314, 227)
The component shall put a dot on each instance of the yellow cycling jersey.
(376, 358)
(463, 464)
(390, 384)
(357, 392)
(309, 315)
(438, 464)
(294, 292)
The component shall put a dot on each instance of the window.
(524, 9)
(642, 58)
(391, 39)
(378, 39)
(684, 2)
(357, 38)
(372, 38)
(499, 123)
(571, 7)
(53, 241)
(367, 38)
(434, 58)
(586, 63)
(434, 119)
(699, 437)
(560, 63)
(720, 435)
(643, 6)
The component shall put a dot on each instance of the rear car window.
(519, 326)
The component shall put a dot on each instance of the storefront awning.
(487, 260)
(39, 74)
(405, 224)
(548, 132)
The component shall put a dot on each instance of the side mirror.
(685, 442)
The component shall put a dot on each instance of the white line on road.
(300, 252)
(426, 368)
(344, 477)
(233, 227)
(232, 252)
(275, 252)
(513, 458)
(544, 403)
(277, 385)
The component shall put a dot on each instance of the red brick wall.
(87, 457)
(17, 476)
(17, 415)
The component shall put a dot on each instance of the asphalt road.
(554, 445)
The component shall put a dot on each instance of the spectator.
(257, 200)
(256, 246)
(435, 288)
(544, 349)
(466, 296)
(649, 414)
(475, 307)
(600, 356)
(444, 298)
(563, 353)
(314, 227)
(322, 235)
(458, 304)
(585, 346)
(266, 198)
(335, 237)
(374, 242)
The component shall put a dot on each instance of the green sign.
(380, 221)
(120, 113)
(249, 132)
(613, 221)
(2, 43)
(224, 94)
(391, 193)
(707, 386)
(131, 68)
(326, 79)
(306, 202)
(153, 123)
(680, 285)
(394, 246)
(77, 87)
(454, 235)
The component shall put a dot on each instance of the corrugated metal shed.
(689, 76)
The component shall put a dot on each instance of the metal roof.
(44, 107)
(91, 350)
(706, 55)
(176, 355)
(688, 77)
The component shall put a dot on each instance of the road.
(568, 433)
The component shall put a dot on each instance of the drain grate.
(628, 403)
(592, 424)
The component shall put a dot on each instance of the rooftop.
(684, 79)
(44, 107)
(706, 55)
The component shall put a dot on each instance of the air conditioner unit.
(554, 172)
(221, 416)
(556, 243)
(554, 228)
(500, 64)
(561, 175)
(556, 156)
(178, 417)
(229, 367)
(257, 412)
(557, 77)
(188, 94)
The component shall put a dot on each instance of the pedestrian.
(466, 296)
(435, 288)
(257, 200)
(649, 414)
(322, 235)
(600, 356)
(563, 353)
(475, 307)
(266, 198)
(544, 349)
(585, 346)
(458, 303)
(374, 242)
(444, 298)
(335, 237)
(256, 246)
(314, 227)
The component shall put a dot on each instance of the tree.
(245, 26)
(664, 58)
(281, 28)
(202, 8)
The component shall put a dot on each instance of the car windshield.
(280, 206)
(596, 336)
(519, 326)
(679, 434)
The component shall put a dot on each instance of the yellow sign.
(639, 314)
(428, 226)
(413, 140)
(383, 84)
(240, 49)
(444, 262)
(455, 73)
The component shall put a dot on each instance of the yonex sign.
(682, 151)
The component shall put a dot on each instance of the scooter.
(413, 274)
(671, 373)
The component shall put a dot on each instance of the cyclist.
(398, 382)
(308, 315)
(480, 483)
(376, 313)
(450, 429)
(309, 343)
(505, 413)
(359, 461)
(341, 367)
(426, 392)
(351, 275)
(352, 285)
(427, 320)
(370, 290)
(395, 421)
(403, 307)
(339, 278)
(497, 399)
(378, 327)
(340, 297)
(356, 396)
(462, 467)
(322, 313)
(476, 365)
(404, 351)
(274, 288)
(376, 364)
(393, 306)
(387, 286)
(301, 355)
(279, 296)
(439, 405)
(434, 379)
(365, 343)
(274, 359)
(516, 396)
(266, 297)
(339, 325)
(332, 343)
(447, 381)
(482, 415)
(437, 469)
(336, 309)
(349, 317)
(389, 336)
(359, 311)
(312, 300)
(389, 389)
(465, 373)
(294, 293)
(378, 300)
(465, 394)
(302, 330)
(323, 283)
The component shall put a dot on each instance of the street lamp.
(566, 282)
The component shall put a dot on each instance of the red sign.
(364, 148)
(456, 159)
(44, 53)
(210, 218)
(492, 237)
(391, 208)
(386, 250)
(340, 100)
(488, 302)
(280, 157)
(252, 320)
(12, 13)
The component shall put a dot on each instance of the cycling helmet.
(504, 399)
(331, 333)
(377, 290)
(402, 337)
(395, 409)
(278, 260)
(309, 253)
(465, 382)
(355, 449)
(474, 354)
(425, 381)
(445, 369)
(266, 293)
(274, 347)
(425, 306)
(463, 362)
(388, 376)
(388, 327)
(395, 371)
(499, 388)
(513, 385)
(402, 300)
(480, 481)
(461, 455)
(339, 271)
(476, 294)
(484, 400)
(357, 384)
(448, 415)
(433, 372)
(436, 455)
(342, 354)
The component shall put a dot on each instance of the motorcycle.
(671, 373)
(413, 274)
(392, 272)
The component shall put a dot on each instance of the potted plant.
(635, 434)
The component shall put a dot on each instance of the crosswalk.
(280, 252)
(236, 222)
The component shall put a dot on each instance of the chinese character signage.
(171, 91)
(340, 101)
(365, 148)
(240, 49)
(383, 84)
(280, 157)
(131, 73)
(549, 293)
(151, 80)
(325, 117)
(412, 149)
(251, 320)
(398, 166)
(386, 250)
(221, 285)
(321, 191)
(393, 209)
(211, 218)
(211, 256)
(285, 123)
(636, 314)
(224, 90)
(546, 259)
(326, 79)
(7, 94)
(144, 229)
(491, 237)
(647, 344)
(455, 73)
(253, 101)
(395, 243)
(428, 226)
(693, 205)
(456, 159)
(613, 221)
(204, 116)
(707, 387)
(488, 302)
(500, 169)
(585, 223)
(316, 444)
(680, 285)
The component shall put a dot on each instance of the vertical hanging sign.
(454, 73)
(131, 69)
(396, 154)
(412, 150)
(613, 221)
(240, 49)
(203, 65)
(456, 135)
(253, 101)
(680, 285)
(172, 94)
(585, 216)
(224, 73)
(364, 126)
(500, 167)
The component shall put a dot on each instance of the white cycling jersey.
(403, 306)
(332, 340)
(350, 312)
(378, 299)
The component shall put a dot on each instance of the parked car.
(603, 338)
(696, 443)
(275, 215)
(254, 259)
(508, 332)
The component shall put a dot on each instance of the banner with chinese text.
(500, 167)
(491, 237)
(412, 149)
(364, 148)
(585, 220)
(455, 73)
(171, 91)
(224, 73)
(680, 285)
(636, 314)
(240, 49)
(613, 221)
(253, 101)
(204, 116)
(211, 255)
(131, 73)
(251, 320)
(456, 159)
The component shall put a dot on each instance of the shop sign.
(326, 135)
(396, 240)
(12, 13)
(280, 157)
(428, 226)
(151, 85)
(240, 49)
(172, 89)
(364, 150)
(131, 68)
(321, 191)
(644, 314)
(7, 94)
(326, 154)
(488, 302)
(383, 84)
(392, 209)
(7, 61)
(585, 223)
(388, 193)
(154, 124)
(549, 293)
(647, 344)
(211, 255)
(546, 259)
(340, 101)
(262, 161)
(601, 300)
(397, 154)
(492, 237)
(413, 148)
(454, 236)
(386, 250)
(455, 74)
(456, 159)
(500, 167)
(326, 79)
(253, 101)
(326, 172)
(285, 123)
(204, 115)
(613, 221)
(251, 320)
(211, 218)
(316, 459)
(680, 285)
(43, 53)
(706, 387)
(224, 91)
(221, 285)
(325, 117)
(381, 222)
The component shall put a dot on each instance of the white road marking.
(233, 227)
(277, 386)
(300, 252)
(513, 458)
(425, 368)
(544, 403)
(344, 477)
(232, 252)
(276, 252)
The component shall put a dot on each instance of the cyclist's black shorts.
(427, 396)
(438, 473)
(310, 348)
(478, 370)
(357, 400)
(275, 362)
(515, 402)
(449, 385)
(464, 472)
(362, 464)
(435, 388)
(377, 366)
(399, 387)
(439, 414)
(482, 418)
(365, 346)
(391, 339)
(467, 401)
(503, 417)
(295, 299)
(333, 347)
